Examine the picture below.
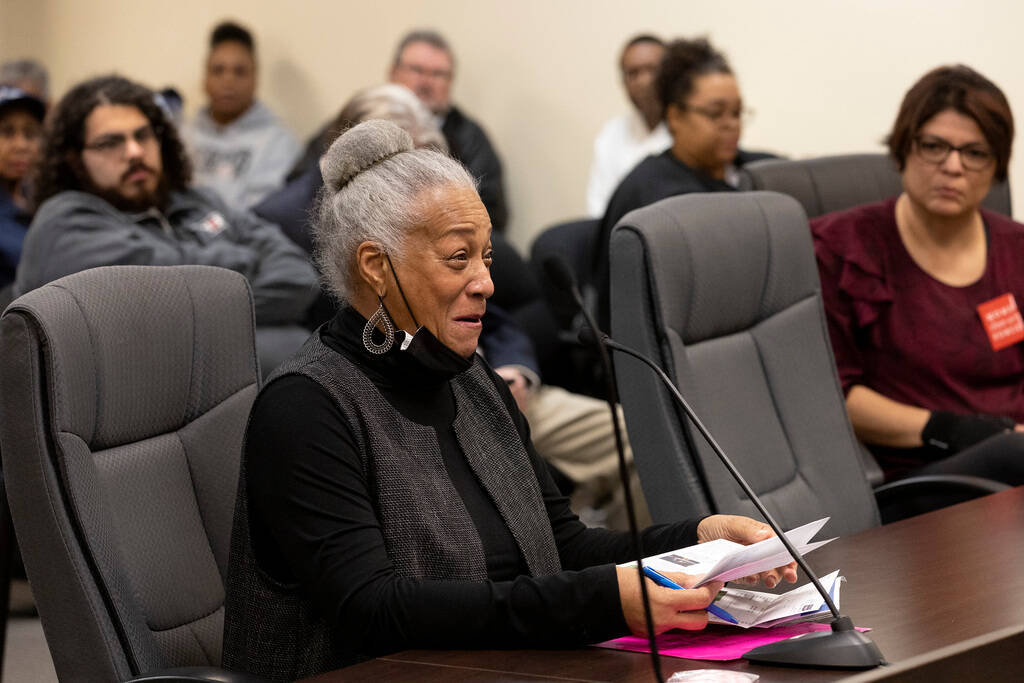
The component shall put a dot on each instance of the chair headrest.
(828, 184)
(113, 334)
(837, 183)
(733, 259)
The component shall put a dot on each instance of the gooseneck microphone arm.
(843, 646)
(612, 344)
(560, 276)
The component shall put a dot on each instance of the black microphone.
(588, 337)
(843, 646)
(562, 278)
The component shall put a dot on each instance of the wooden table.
(943, 593)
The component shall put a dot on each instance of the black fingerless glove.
(950, 433)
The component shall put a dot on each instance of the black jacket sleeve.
(468, 143)
(313, 519)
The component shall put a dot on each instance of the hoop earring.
(379, 317)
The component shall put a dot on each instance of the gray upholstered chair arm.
(937, 484)
(914, 495)
(185, 674)
(872, 470)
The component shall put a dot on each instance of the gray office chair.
(567, 364)
(575, 242)
(834, 183)
(722, 291)
(124, 395)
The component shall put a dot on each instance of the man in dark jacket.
(424, 63)
(113, 190)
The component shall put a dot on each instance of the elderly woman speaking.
(390, 495)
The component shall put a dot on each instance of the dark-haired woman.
(703, 110)
(922, 292)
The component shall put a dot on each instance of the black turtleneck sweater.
(313, 521)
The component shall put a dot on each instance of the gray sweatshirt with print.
(74, 231)
(245, 160)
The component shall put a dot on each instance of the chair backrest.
(575, 242)
(836, 183)
(124, 395)
(722, 290)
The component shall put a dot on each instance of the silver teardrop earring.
(379, 317)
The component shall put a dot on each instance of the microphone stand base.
(843, 647)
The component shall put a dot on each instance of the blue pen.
(663, 580)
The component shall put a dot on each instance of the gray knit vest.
(272, 630)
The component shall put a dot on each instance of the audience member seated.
(921, 292)
(704, 111)
(572, 432)
(626, 140)
(239, 147)
(291, 207)
(391, 497)
(21, 124)
(29, 76)
(425, 64)
(113, 189)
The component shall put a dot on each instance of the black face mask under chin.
(427, 349)
(432, 354)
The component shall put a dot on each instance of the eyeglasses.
(436, 74)
(933, 150)
(721, 115)
(116, 144)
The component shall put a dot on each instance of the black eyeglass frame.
(720, 116)
(981, 160)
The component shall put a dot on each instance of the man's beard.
(158, 198)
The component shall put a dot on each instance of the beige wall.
(824, 76)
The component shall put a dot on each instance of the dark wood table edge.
(1006, 644)
(459, 667)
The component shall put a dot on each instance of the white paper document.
(722, 560)
(755, 608)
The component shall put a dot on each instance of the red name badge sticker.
(1002, 321)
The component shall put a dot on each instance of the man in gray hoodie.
(239, 147)
(113, 189)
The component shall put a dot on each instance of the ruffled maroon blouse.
(901, 332)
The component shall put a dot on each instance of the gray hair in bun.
(373, 177)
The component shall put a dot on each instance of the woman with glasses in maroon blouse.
(921, 292)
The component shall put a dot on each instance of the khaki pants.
(574, 433)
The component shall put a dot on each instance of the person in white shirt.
(239, 147)
(626, 140)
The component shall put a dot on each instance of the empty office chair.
(575, 242)
(7, 555)
(722, 291)
(569, 365)
(124, 395)
(835, 183)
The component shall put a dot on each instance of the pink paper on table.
(718, 643)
